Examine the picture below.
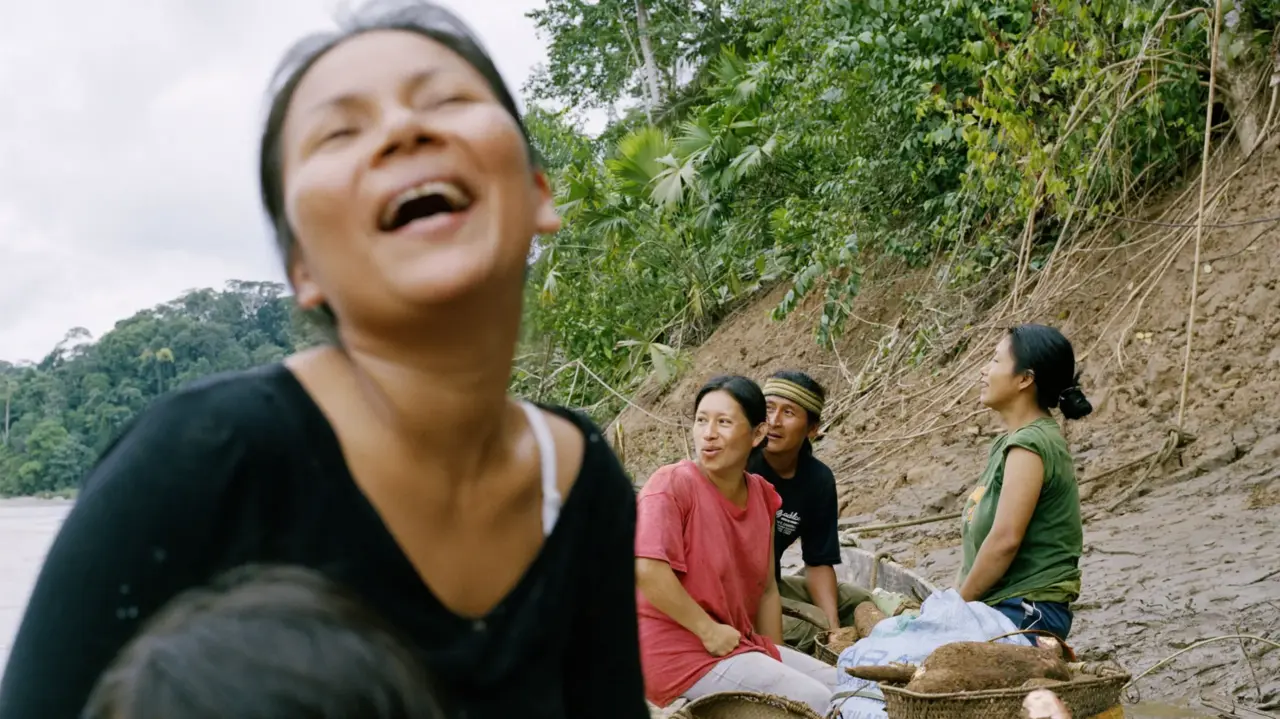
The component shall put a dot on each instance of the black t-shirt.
(809, 511)
(245, 468)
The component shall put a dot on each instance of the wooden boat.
(868, 570)
(877, 570)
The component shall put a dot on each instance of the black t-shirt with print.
(809, 511)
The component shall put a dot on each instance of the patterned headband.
(790, 390)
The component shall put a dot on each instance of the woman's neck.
(1021, 415)
(784, 463)
(445, 395)
(729, 481)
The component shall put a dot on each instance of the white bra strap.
(550, 473)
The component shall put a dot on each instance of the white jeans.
(798, 677)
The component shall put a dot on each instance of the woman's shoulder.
(269, 382)
(184, 462)
(761, 487)
(223, 403)
(210, 423)
(682, 473)
(1044, 438)
(676, 478)
(600, 466)
(1041, 436)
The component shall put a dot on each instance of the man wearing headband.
(809, 511)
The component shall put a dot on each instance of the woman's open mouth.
(433, 200)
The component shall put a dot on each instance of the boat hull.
(869, 570)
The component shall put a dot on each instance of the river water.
(28, 526)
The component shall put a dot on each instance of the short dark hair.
(423, 17)
(265, 643)
(1048, 356)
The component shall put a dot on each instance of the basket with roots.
(744, 705)
(1094, 689)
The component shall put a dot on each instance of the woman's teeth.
(448, 197)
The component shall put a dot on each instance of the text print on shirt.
(787, 522)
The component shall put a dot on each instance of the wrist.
(704, 629)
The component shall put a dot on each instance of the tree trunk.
(1247, 94)
(1247, 106)
(650, 64)
(8, 396)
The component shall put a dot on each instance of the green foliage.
(65, 410)
(825, 134)
(594, 50)
(558, 145)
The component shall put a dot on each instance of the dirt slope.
(1193, 555)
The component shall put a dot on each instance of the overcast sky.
(127, 149)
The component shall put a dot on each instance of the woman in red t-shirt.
(710, 614)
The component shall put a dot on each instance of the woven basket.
(744, 705)
(822, 651)
(1095, 691)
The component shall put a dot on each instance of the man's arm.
(821, 581)
(821, 543)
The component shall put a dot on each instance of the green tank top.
(1047, 566)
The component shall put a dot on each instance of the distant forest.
(59, 414)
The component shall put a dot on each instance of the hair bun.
(1074, 404)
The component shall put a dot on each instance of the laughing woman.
(495, 537)
(1021, 527)
(710, 613)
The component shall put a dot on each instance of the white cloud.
(128, 149)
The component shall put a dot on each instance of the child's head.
(274, 643)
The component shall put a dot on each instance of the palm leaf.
(672, 183)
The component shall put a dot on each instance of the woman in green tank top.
(1021, 526)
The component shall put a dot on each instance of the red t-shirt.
(720, 554)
